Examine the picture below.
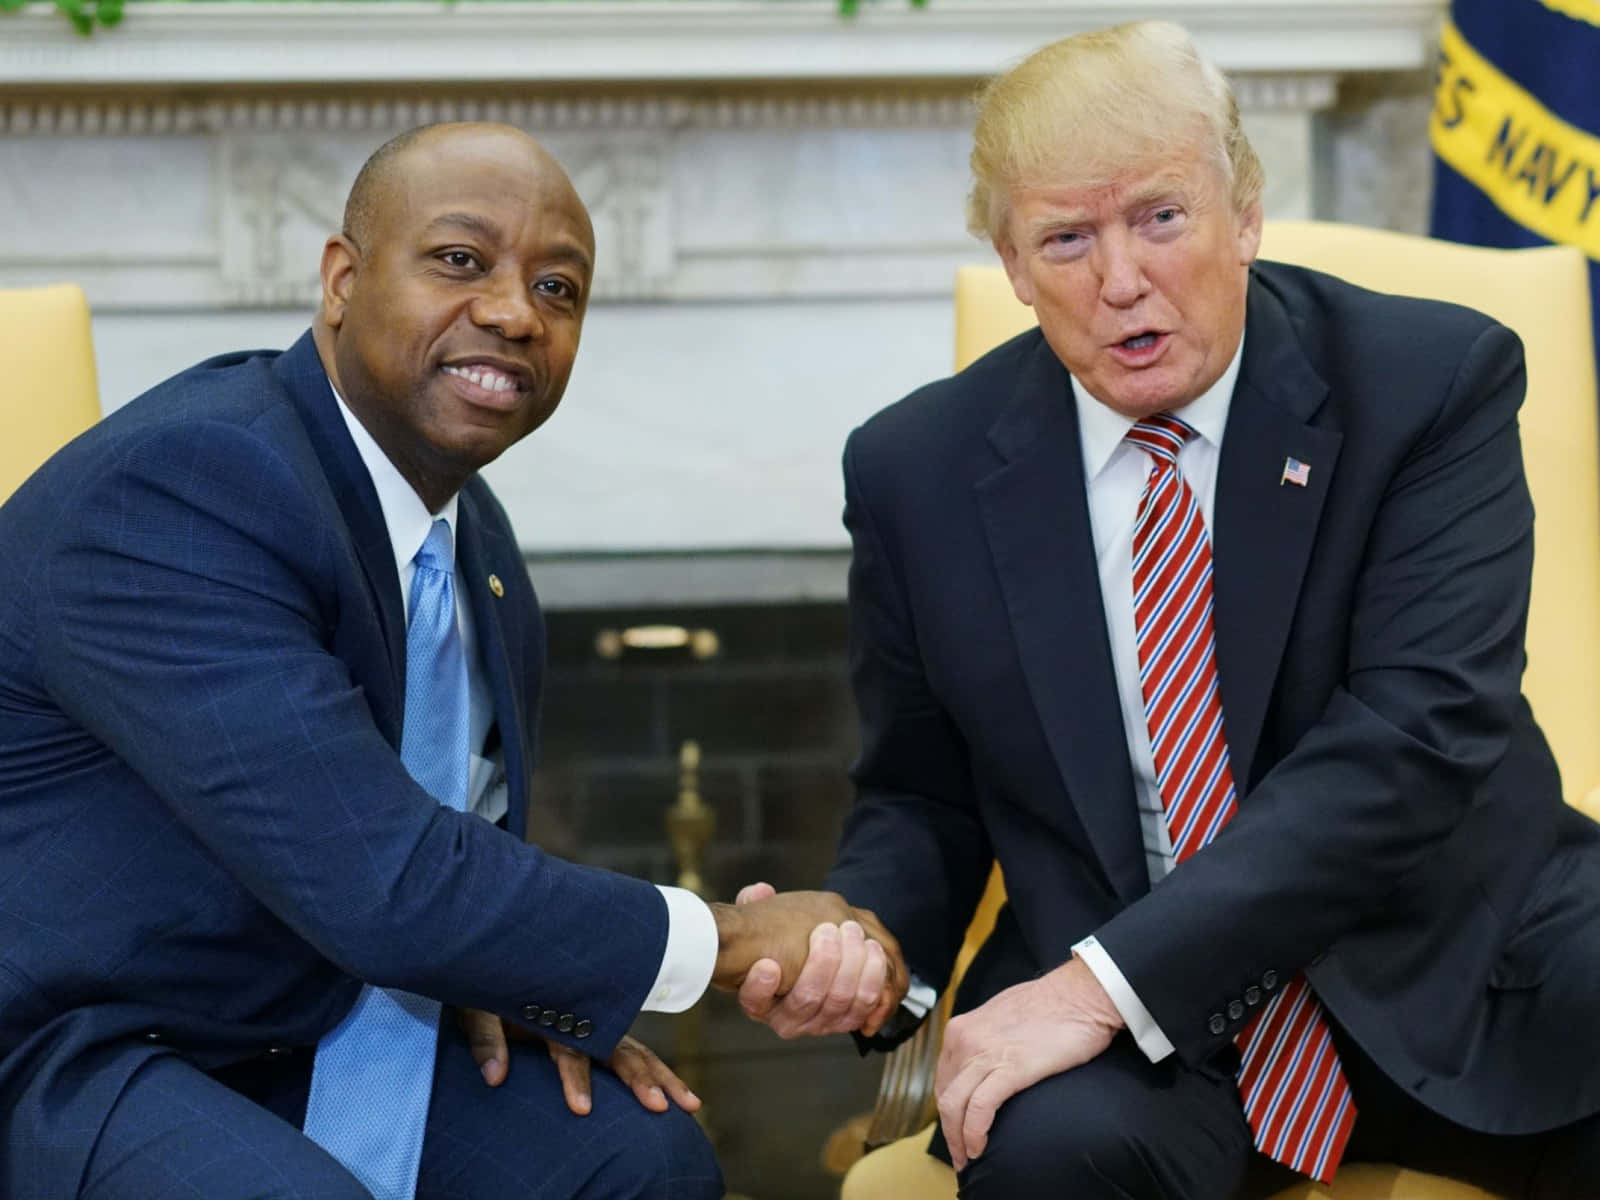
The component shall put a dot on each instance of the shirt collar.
(1102, 429)
(406, 517)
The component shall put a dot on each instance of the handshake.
(807, 962)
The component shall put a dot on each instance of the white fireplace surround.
(776, 190)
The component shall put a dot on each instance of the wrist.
(731, 927)
(1073, 978)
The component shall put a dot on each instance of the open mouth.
(1140, 341)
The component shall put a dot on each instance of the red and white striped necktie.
(1290, 1081)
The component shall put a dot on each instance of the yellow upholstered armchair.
(47, 360)
(1542, 294)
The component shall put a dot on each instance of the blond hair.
(1087, 108)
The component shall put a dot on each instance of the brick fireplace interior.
(772, 715)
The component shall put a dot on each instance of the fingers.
(758, 994)
(487, 1038)
(573, 1068)
(755, 891)
(967, 1105)
(836, 1012)
(793, 1014)
(874, 997)
(650, 1079)
(841, 987)
(899, 978)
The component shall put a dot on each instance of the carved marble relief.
(790, 195)
(281, 197)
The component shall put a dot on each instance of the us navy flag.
(1516, 127)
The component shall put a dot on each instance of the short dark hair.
(366, 192)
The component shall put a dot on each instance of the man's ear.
(1011, 259)
(1250, 234)
(340, 258)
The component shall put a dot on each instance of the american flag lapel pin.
(1295, 472)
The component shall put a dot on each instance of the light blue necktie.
(373, 1073)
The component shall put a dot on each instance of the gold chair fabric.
(49, 395)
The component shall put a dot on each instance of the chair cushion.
(904, 1170)
(1366, 1181)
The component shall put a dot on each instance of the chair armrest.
(905, 1093)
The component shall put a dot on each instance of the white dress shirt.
(1114, 473)
(691, 952)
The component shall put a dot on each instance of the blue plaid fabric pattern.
(373, 1073)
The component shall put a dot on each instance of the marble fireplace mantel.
(626, 40)
(776, 190)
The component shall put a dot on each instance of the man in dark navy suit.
(215, 853)
(1199, 609)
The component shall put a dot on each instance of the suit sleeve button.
(583, 1029)
(1269, 980)
(564, 1023)
(1216, 1024)
(1235, 1009)
(548, 1017)
(530, 1013)
(1252, 995)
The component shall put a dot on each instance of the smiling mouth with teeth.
(491, 381)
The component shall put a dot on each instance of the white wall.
(684, 425)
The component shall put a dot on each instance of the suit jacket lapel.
(301, 370)
(482, 551)
(1264, 525)
(1036, 514)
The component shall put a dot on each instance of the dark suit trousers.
(1123, 1128)
(177, 1132)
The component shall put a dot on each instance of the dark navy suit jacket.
(206, 833)
(1400, 835)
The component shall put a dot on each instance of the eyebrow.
(463, 220)
(489, 231)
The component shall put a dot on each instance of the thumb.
(755, 891)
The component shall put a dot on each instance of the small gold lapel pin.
(495, 586)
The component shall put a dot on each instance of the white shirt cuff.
(690, 956)
(1146, 1033)
(919, 998)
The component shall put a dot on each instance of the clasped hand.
(807, 963)
(802, 962)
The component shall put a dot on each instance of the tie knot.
(438, 552)
(1162, 436)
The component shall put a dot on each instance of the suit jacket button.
(583, 1028)
(1235, 1010)
(1216, 1024)
(564, 1025)
(530, 1013)
(548, 1017)
(1269, 979)
(278, 1051)
(1252, 995)
(152, 1035)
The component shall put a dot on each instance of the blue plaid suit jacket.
(206, 833)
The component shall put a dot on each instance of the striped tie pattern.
(1290, 1081)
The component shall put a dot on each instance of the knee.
(669, 1158)
(1082, 1156)
(1111, 1147)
